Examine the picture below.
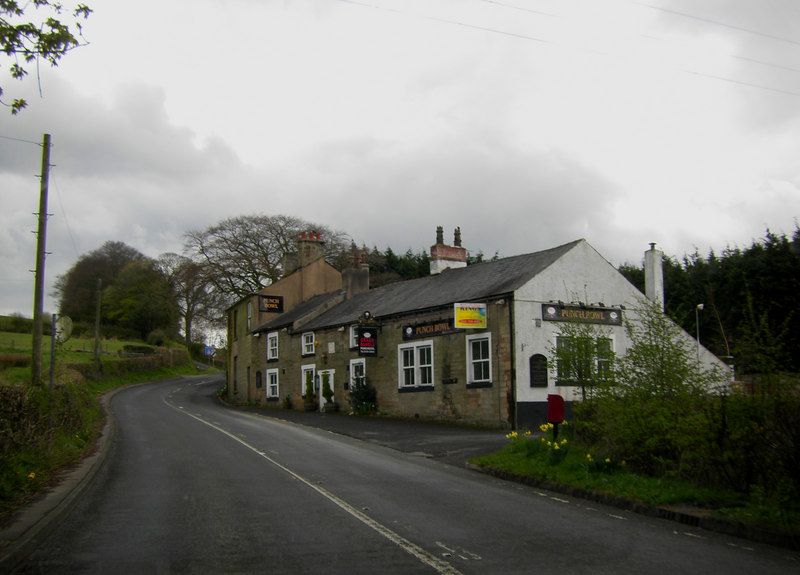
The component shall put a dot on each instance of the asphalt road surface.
(191, 486)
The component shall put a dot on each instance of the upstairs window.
(309, 343)
(272, 346)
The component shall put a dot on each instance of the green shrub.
(363, 397)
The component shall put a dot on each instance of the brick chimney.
(355, 280)
(445, 257)
(309, 248)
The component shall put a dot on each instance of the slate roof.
(300, 310)
(472, 283)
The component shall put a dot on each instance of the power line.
(64, 213)
(449, 21)
(21, 140)
(718, 23)
(550, 42)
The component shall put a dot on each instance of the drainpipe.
(513, 375)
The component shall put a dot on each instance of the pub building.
(467, 344)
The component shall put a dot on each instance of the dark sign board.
(429, 329)
(367, 342)
(271, 303)
(585, 314)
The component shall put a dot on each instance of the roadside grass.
(44, 435)
(575, 466)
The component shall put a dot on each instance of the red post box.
(555, 408)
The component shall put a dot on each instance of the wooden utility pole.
(97, 325)
(41, 247)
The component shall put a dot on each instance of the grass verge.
(43, 436)
(571, 465)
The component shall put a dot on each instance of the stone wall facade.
(450, 396)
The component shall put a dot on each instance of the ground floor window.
(357, 371)
(479, 359)
(583, 360)
(415, 365)
(272, 384)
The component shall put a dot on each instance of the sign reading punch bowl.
(585, 314)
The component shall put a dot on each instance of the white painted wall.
(582, 275)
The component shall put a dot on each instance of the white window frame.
(354, 336)
(309, 343)
(563, 381)
(354, 365)
(272, 389)
(272, 351)
(249, 315)
(471, 361)
(417, 370)
(303, 369)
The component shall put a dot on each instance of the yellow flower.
(31, 475)
(555, 446)
(563, 442)
(589, 456)
(608, 460)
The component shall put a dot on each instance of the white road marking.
(406, 545)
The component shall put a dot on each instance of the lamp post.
(697, 311)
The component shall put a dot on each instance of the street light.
(697, 311)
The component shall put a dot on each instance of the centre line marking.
(406, 545)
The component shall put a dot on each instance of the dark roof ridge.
(486, 279)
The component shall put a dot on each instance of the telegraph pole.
(41, 246)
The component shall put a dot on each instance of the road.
(191, 486)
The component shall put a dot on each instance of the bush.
(363, 397)
(157, 337)
(14, 360)
(138, 349)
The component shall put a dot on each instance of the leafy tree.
(141, 300)
(583, 356)
(45, 34)
(651, 412)
(241, 255)
(77, 289)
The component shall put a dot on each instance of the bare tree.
(241, 255)
(194, 293)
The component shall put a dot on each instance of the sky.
(526, 123)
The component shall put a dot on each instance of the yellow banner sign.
(470, 315)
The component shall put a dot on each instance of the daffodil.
(31, 475)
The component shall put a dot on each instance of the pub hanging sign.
(367, 342)
(581, 313)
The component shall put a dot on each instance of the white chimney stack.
(654, 276)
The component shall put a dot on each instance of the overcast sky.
(528, 123)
